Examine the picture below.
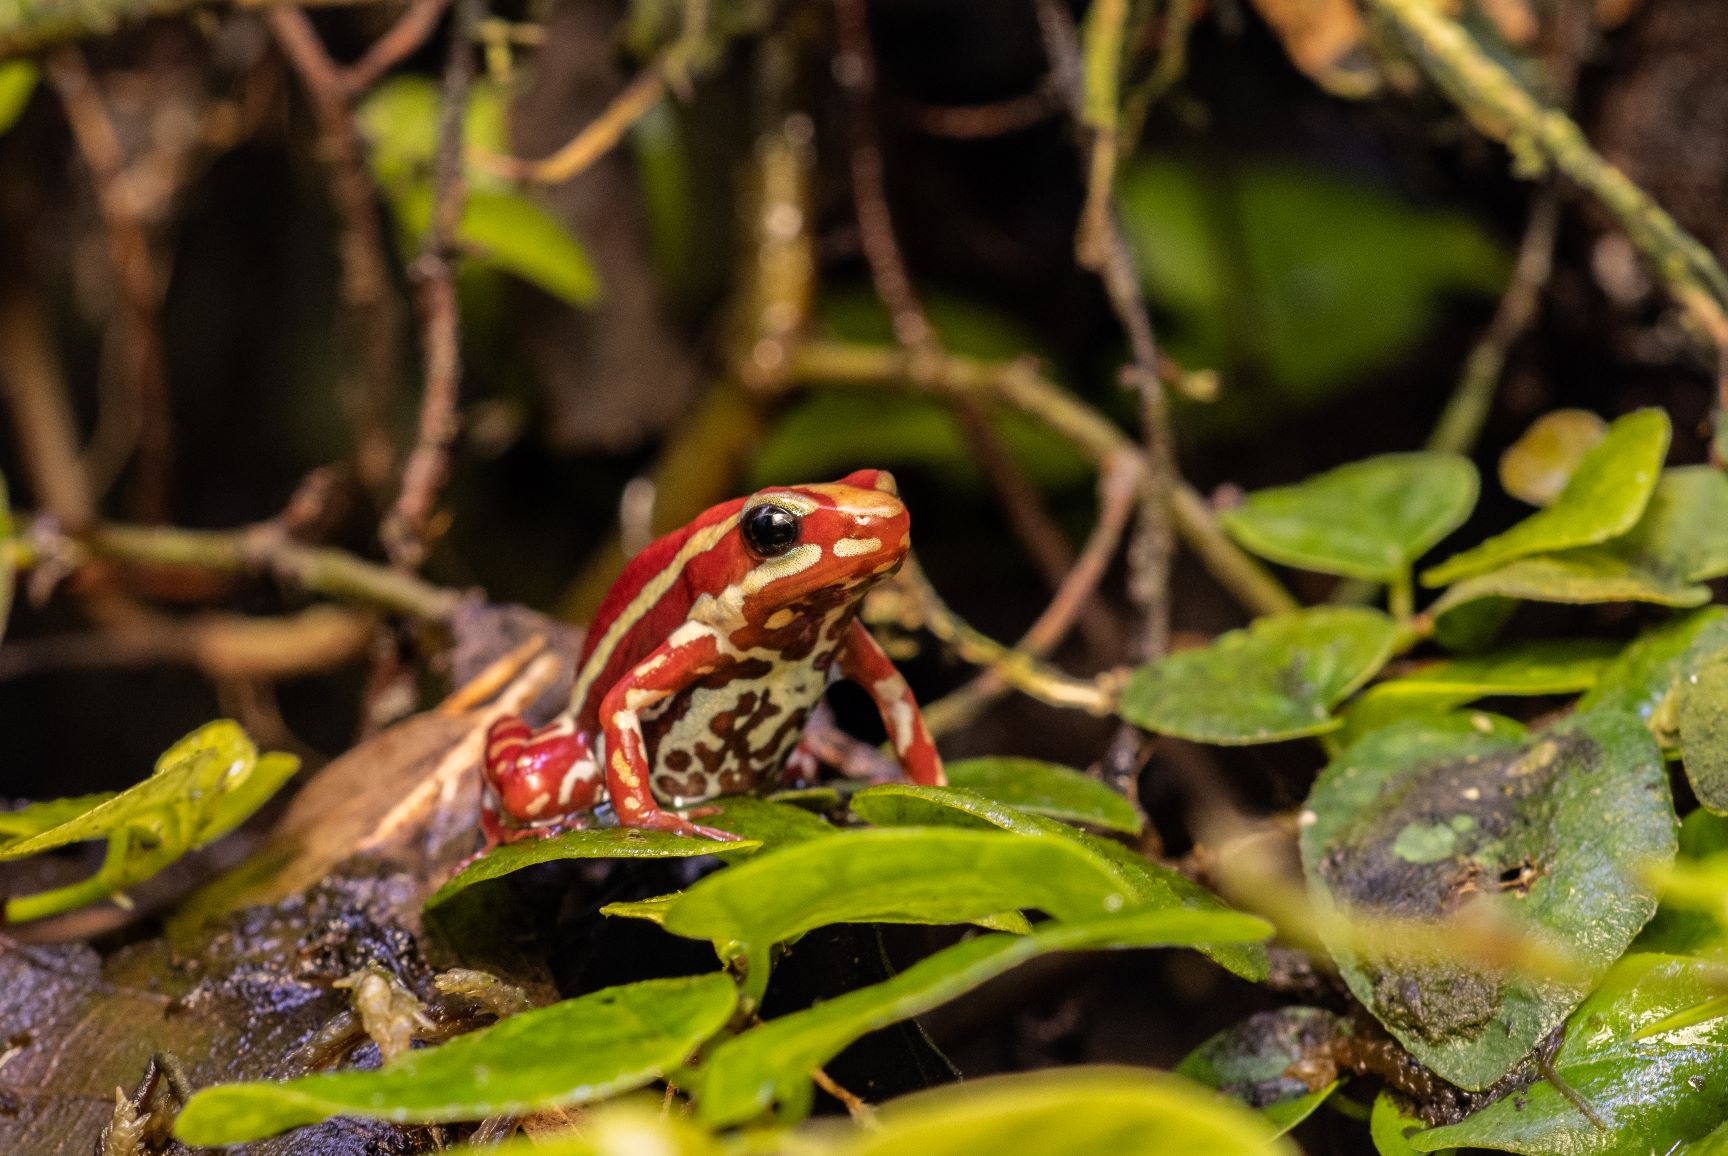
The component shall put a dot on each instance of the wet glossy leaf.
(1535, 668)
(1603, 499)
(895, 876)
(1249, 1062)
(1645, 671)
(573, 1052)
(768, 823)
(1369, 519)
(1681, 541)
(1082, 1111)
(1701, 708)
(1148, 884)
(1537, 466)
(750, 1072)
(17, 84)
(1650, 1092)
(201, 788)
(1277, 679)
(1390, 1127)
(1046, 789)
(1554, 830)
(600, 843)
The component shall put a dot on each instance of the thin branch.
(221, 646)
(980, 121)
(261, 549)
(1172, 62)
(1460, 423)
(43, 424)
(27, 28)
(397, 44)
(1018, 384)
(1023, 672)
(1092, 99)
(370, 311)
(136, 274)
(597, 138)
(406, 527)
(1118, 484)
(856, 1107)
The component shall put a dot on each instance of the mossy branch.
(1502, 108)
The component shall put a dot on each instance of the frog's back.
(650, 599)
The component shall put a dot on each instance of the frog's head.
(821, 544)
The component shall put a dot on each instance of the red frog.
(705, 659)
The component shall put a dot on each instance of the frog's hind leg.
(535, 777)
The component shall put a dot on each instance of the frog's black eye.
(770, 531)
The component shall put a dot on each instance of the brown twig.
(43, 423)
(855, 67)
(980, 121)
(222, 646)
(1019, 385)
(1103, 248)
(1118, 485)
(861, 1112)
(370, 311)
(136, 274)
(405, 530)
(260, 549)
(398, 43)
(597, 138)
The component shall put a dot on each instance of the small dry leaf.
(1327, 40)
(1537, 466)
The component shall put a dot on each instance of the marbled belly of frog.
(731, 733)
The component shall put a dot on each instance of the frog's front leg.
(863, 661)
(691, 653)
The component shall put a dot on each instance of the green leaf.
(1650, 1092)
(1604, 498)
(38, 817)
(1370, 519)
(770, 824)
(507, 231)
(1534, 668)
(1250, 1062)
(1148, 885)
(573, 1052)
(748, 1073)
(1307, 281)
(1692, 918)
(1553, 832)
(1641, 677)
(18, 80)
(204, 786)
(1082, 1111)
(1715, 1144)
(895, 876)
(1046, 789)
(633, 1127)
(1278, 679)
(1390, 1127)
(1536, 467)
(400, 121)
(1681, 540)
(600, 843)
(1701, 706)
